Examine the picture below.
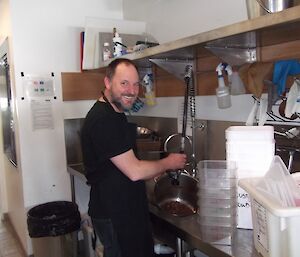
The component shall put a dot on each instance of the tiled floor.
(9, 245)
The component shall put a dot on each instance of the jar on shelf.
(106, 51)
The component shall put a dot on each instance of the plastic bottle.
(235, 83)
(149, 94)
(117, 41)
(222, 91)
(106, 51)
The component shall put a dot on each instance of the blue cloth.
(282, 69)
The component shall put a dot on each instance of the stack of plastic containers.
(252, 148)
(217, 196)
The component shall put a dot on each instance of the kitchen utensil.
(291, 100)
(282, 107)
(177, 199)
(252, 115)
(296, 107)
(262, 111)
(291, 133)
(272, 94)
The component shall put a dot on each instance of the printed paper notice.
(261, 225)
(42, 115)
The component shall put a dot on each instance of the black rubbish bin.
(53, 228)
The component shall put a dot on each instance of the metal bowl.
(177, 199)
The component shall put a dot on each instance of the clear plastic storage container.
(217, 235)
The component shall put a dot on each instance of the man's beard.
(117, 102)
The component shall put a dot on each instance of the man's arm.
(136, 169)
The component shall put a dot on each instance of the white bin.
(275, 228)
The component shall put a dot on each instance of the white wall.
(45, 39)
(169, 20)
(12, 201)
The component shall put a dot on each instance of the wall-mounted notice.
(42, 114)
(38, 85)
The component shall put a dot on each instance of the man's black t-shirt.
(106, 134)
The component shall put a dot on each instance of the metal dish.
(177, 199)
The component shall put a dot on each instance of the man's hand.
(176, 161)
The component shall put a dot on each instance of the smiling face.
(123, 88)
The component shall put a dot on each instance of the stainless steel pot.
(176, 199)
(256, 8)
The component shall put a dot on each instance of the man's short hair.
(111, 68)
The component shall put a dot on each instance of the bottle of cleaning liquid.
(149, 94)
(117, 42)
(222, 91)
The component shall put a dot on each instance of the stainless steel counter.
(188, 229)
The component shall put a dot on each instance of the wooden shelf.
(277, 37)
(271, 29)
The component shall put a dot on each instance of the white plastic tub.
(252, 147)
(275, 228)
(249, 133)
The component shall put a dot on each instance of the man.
(118, 203)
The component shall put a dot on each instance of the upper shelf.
(270, 29)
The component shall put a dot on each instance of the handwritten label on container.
(244, 210)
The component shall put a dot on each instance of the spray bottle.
(222, 91)
(236, 85)
(117, 43)
(149, 94)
